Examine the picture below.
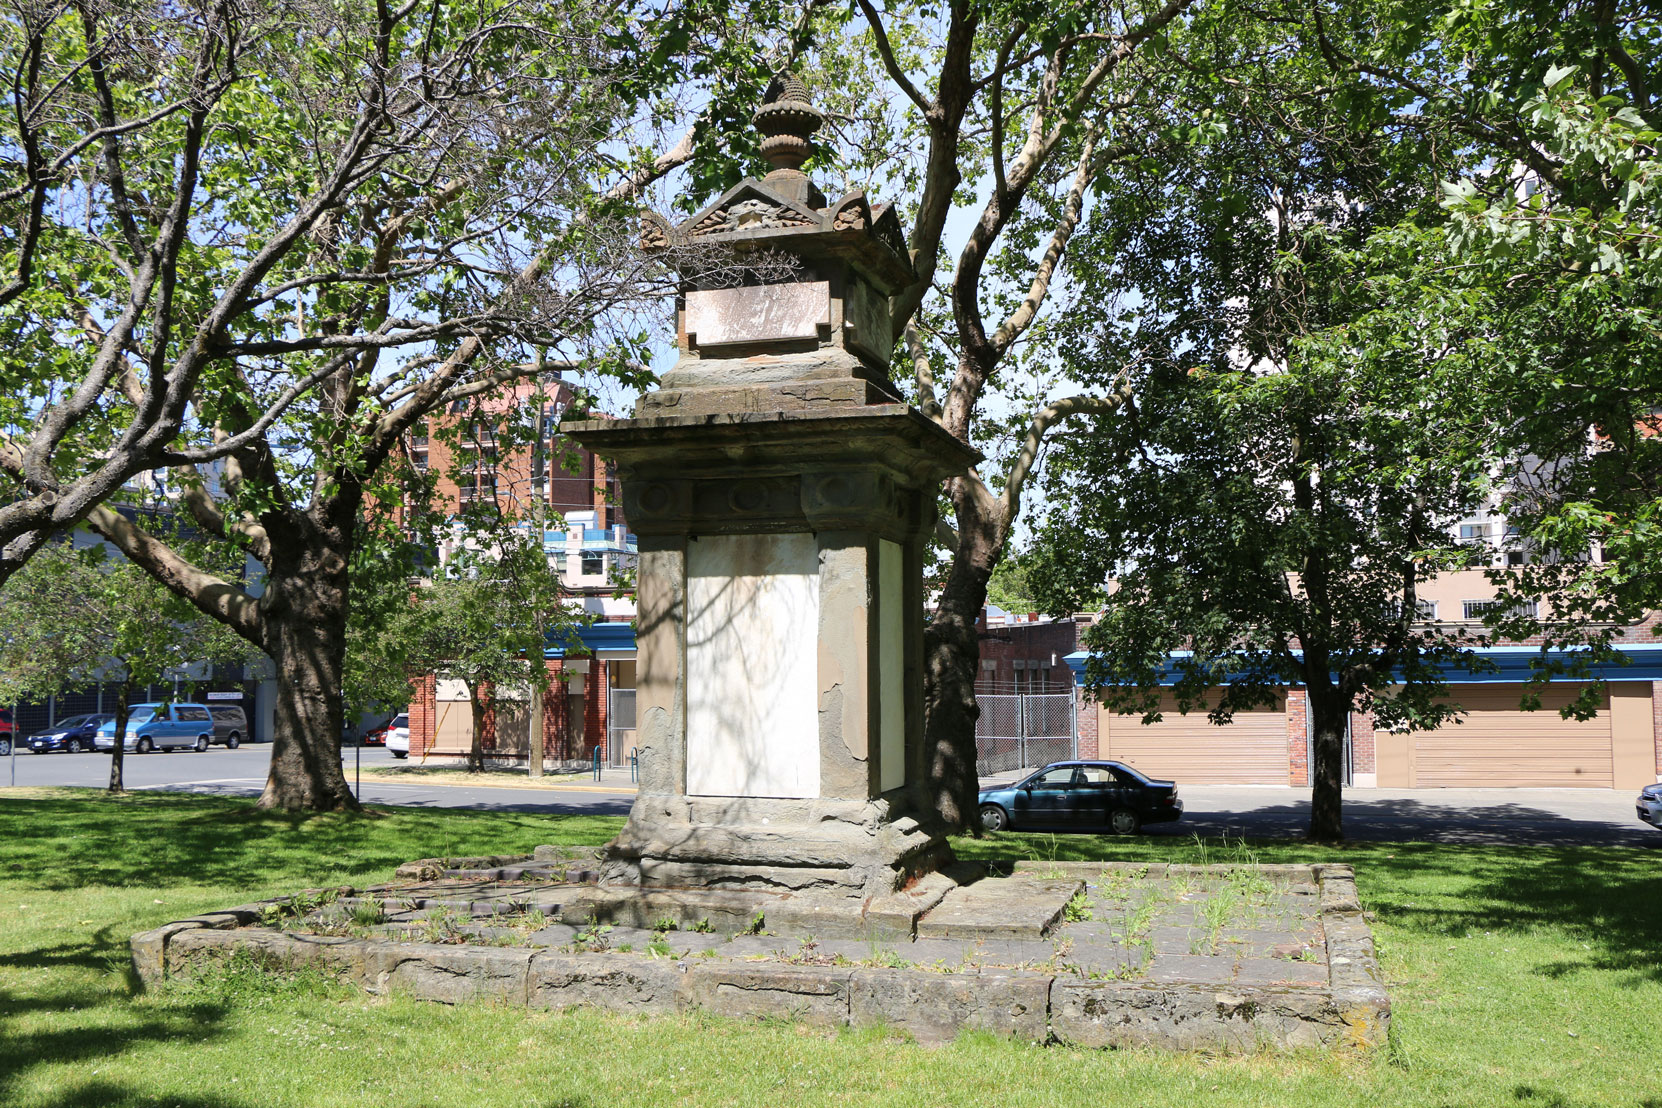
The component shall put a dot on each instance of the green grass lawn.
(1520, 976)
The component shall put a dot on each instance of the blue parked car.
(74, 734)
(1081, 796)
(162, 727)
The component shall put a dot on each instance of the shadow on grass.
(78, 1025)
(166, 839)
(1601, 898)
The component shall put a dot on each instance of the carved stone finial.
(787, 121)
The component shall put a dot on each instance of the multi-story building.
(541, 477)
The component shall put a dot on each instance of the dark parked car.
(73, 734)
(1081, 796)
(230, 724)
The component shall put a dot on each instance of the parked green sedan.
(1081, 796)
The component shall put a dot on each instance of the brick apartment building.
(587, 539)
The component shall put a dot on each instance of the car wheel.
(1123, 821)
(400, 754)
(5, 747)
(201, 743)
(74, 746)
(993, 818)
(144, 746)
(232, 741)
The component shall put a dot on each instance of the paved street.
(1533, 816)
(1523, 816)
(241, 772)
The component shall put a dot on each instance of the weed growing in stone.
(703, 927)
(444, 925)
(369, 912)
(596, 936)
(1078, 908)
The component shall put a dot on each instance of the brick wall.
(1040, 646)
(1656, 722)
(1089, 743)
(423, 714)
(1298, 740)
(558, 739)
(595, 706)
(1361, 743)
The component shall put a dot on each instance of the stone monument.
(782, 492)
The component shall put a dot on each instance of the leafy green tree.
(76, 617)
(1550, 247)
(1284, 475)
(485, 619)
(465, 203)
(1266, 529)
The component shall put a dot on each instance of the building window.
(593, 565)
(1471, 531)
(1423, 610)
(1481, 609)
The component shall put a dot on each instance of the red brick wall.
(1035, 642)
(597, 706)
(1089, 744)
(423, 714)
(1361, 743)
(1656, 722)
(1298, 741)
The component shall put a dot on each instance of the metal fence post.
(1021, 730)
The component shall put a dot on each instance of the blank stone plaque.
(763, 313)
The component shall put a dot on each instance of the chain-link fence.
(1016, 732)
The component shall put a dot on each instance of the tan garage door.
(1192, 751)
(1498, 745)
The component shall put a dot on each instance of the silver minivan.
(230, 724)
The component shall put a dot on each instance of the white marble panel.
(752, 666)
(762, 313)
(891, 660)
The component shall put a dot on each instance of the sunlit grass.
(1520, 976)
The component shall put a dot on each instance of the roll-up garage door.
(1499, 745)
(1192, 751)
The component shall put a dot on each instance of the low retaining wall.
(1351, 1012)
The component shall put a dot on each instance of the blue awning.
(1510, 665)
(596, 638)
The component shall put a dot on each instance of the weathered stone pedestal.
(780, 680)
(782, 495)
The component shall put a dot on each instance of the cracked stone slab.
(746, 990)
(1000, 908)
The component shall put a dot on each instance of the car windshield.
(141, 715)
(399, 721)
(73, 721)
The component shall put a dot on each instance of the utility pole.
(539, 464)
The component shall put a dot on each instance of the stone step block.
(816, 995)
(935, 1007)
(1000, 908)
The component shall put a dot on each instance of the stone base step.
(1000, 908)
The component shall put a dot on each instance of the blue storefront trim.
(1503, 665)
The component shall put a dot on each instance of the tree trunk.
(951, 655)
(534, 742)
(304, 615)
(476, 750)
(1328, 712)
(118, 782)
